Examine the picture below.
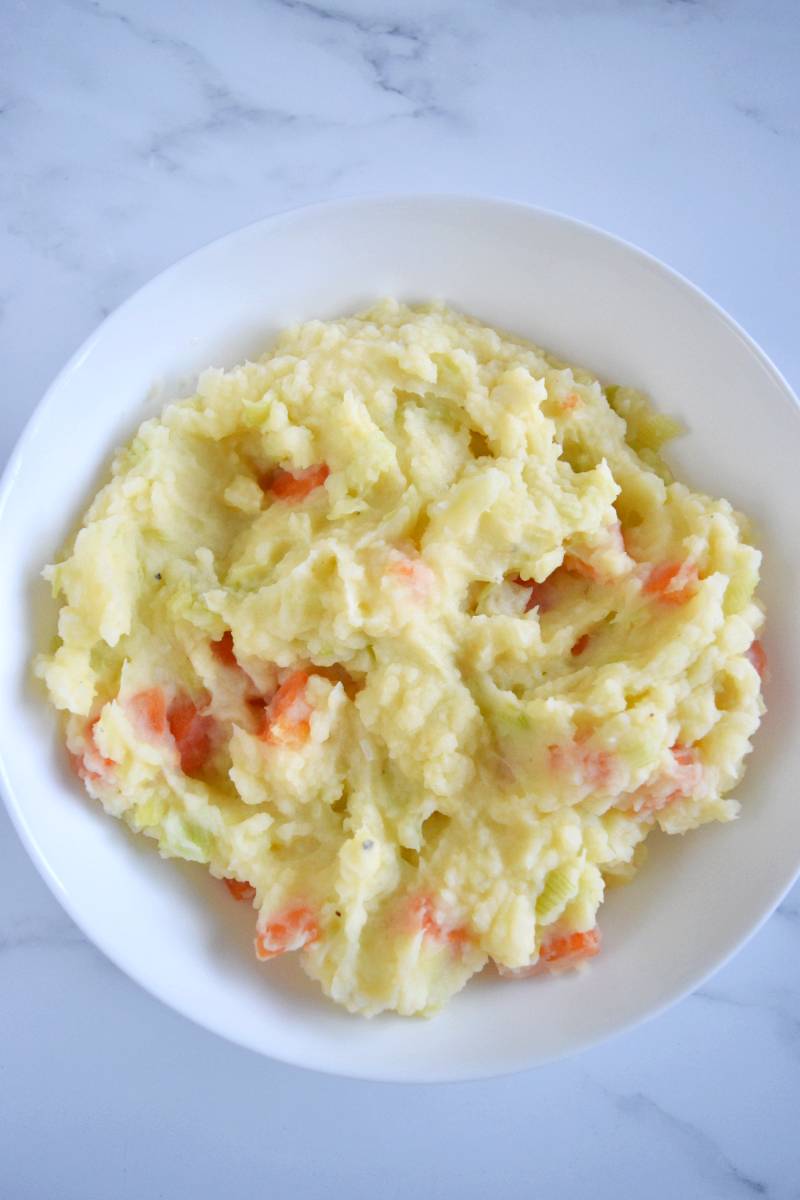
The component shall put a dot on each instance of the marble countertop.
(133, 131)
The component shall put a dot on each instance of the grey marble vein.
(711, 1163)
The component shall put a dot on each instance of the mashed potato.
(407, 632)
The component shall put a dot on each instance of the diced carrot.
(239, 890)
(459, 937)
(90, 764)
(287, 716)
(672, 582)
(150, 709)
(292, 486)
(685, 756)
(570, 401)
(422, 913)
(222, 649)
(559, 953)
(415, 573)
(195, 734)
(594, 767)
(680, 779)
(758, 657)
(580, 645)
(290, 930)
(569, 949)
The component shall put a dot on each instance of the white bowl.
(593, 300)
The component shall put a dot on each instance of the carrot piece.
(290, 930)
(195, 734)
(570, 401)
(672, 582)
(287, 716)
(413, 572)
(580, 645)
(223, 651)
(150, 709)
(90, 764)
(422, 914)
(681, 779)
(459, 937)
(571, 948)
(292, 486)
(239, 890)
(685, 756)
(594, 767)
(758, 657)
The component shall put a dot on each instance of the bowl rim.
(40, 413)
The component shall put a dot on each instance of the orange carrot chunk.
(570, 948)
(194, 733)
(290, 930)
(680, 779)
(287, 716)
(292, 486)
(423, 914)
(672, 582)
(90, 764)
(239, 890)
(150, 709)
(222, 649)
(415, 573)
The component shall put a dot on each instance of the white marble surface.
(132, 132)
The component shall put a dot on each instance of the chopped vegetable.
(150, 710)
(223, 651)
(292, 486)
(559, 953)
(681, 778)
(287, 716)
(90, 764)
(569, 949)
(672, 582)
(424, 914)
(195, 734)
(291, 930)
(414, 572)
(239, 890)
(592, 766)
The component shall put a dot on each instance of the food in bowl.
(406, 630)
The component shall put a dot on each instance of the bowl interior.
(591, 299)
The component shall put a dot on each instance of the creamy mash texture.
(406, 630)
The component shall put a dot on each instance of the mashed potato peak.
(407, 632)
